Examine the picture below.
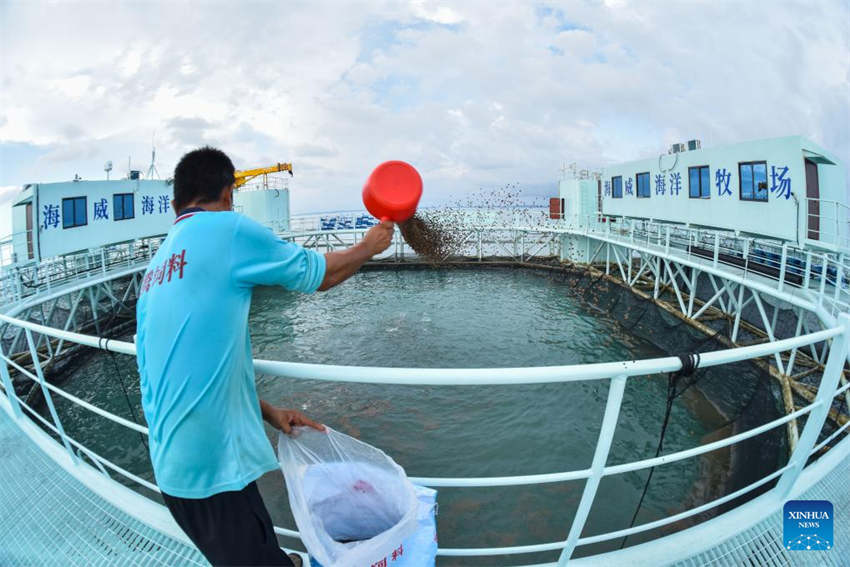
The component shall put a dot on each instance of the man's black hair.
(201, 176)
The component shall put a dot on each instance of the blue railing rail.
(617, 373)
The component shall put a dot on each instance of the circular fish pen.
(480, 318)
(493, 379)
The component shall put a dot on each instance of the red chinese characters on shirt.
(381, 563)
(171, 268)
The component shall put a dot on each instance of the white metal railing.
(30, 280)
(23, 281)
(7, 250)
(784, 262)
(618, 373)
(822, 274)
(826, 272)
(469, 216)
(827, 222)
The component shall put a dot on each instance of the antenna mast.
(152, 172)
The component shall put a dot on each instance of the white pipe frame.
(570, 373)
(617, 372)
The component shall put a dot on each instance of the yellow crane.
(244, 176)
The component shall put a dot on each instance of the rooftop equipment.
(152, 171)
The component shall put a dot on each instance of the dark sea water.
(462, 319)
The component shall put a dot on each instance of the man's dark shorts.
(230, 528)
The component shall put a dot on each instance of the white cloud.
(8, 192)
(431, 11)
(7, 195)
(474, 94)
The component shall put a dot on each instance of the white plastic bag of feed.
(353, 505)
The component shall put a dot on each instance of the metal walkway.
(762, 544)
(55, 512)
(58, 521)
(50, 518)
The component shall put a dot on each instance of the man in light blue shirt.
(207, 442)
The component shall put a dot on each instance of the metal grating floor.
(47, 517)
(761, 545)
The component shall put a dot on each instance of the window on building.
(752, 176)
(74, 212)
(617, 187)
(642, 182)
(122, 206)
(698, 182)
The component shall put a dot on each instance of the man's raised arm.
(341, 265)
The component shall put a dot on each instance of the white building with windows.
(785, 188)
(53, 219)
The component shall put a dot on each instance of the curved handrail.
(478, 376)
(616, 371)
(468, 376)
(602, 232)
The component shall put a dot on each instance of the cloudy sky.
(475, 94)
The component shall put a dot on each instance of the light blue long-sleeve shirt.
(194, 349)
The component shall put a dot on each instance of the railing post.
(838, 277)
(600, 457)
(808, 274)
(716, 247)
(817, 417)
(8, 385)
(824, 264)
(837, 237)
(667, 240)
(782, 265)
(47, 398)
(19, 284)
